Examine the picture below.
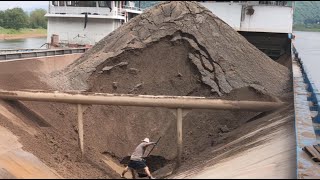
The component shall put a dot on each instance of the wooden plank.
(312, 152)
(317, 147)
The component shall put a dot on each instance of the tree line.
(16, 18)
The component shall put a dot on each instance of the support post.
(80, 128)
(179, 137)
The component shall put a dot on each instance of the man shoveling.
(136, 160)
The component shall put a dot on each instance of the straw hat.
(146, 140)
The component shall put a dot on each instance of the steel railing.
(313, 96)
(41, 53)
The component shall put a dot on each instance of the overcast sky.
(25, 5)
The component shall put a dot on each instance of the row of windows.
(275, 3)
(89, 3)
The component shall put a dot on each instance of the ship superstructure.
(74, 23)
(265, 24)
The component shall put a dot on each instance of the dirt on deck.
(264, 147)
(174, 48)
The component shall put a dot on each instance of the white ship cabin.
(254, 16)
(266, 24)
(72, 23)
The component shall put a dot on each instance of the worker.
(137, 162)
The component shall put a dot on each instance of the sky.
(25, 5)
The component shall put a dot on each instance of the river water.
(28, 43)
(308, 47)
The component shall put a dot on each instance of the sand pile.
(175, 48)
(176, 35)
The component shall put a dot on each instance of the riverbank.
(6, 34)
(314, 28)
(307, 29)
(20, 36)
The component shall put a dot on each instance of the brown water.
(308, 46)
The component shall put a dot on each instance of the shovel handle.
(154, 146)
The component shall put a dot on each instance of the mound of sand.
(174, 48)
(182, 37)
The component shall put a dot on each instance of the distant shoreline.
(7, 34)
(20, 36)
(307, 30)
(300, 27)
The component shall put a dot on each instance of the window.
(61, 3)
(71, 3)
(87, 3)
(131, 4)
(274, 3)
(55, 3)
(104, 3)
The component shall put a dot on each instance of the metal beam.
(39, 53)
(80, 128)
(185, 102)
(177, 102)
(179, 136)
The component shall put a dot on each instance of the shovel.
(153, 146)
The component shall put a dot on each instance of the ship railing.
(120, 12)
(6, 51)
(313, 95)
(81, 10)
(41, 53)
(256, 3)
(132, 8)
(276, 3)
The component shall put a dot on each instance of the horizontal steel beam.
(41, 53)
(185, 102)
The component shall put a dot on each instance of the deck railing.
(80, 10)
(132, 8)
(92, 10)
(314, 94)
(41, 53)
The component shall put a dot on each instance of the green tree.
(15, 18)
(305, 11)
(37, 19)
(1, 18)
